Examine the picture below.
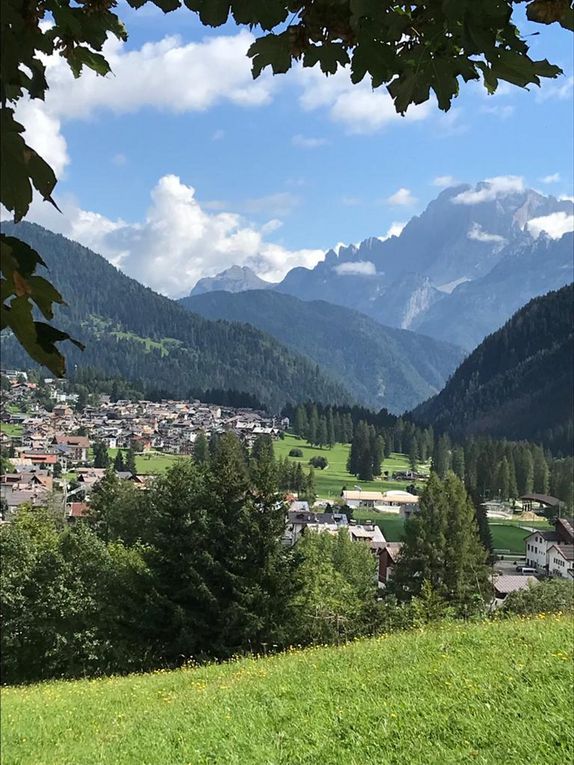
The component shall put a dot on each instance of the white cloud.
(356, 268)
(490, 189)
(305, 142)
(216, 70)
(554, 178)
(401, 198)
(444, 181)
(395, 229)
(502, 111)
(43, 134)
(559, 91)
(350, 201)
(178, 241)
(359, 108)
(555, 225)
(478, 234)
(565, 198)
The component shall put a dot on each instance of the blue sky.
(281, 169)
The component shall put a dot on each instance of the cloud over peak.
(491, 189)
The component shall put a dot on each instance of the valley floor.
(488, 693)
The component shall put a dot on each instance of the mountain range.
(290, 351)
(380, 366)
(132, 332)
(456, 272)
(519, 382)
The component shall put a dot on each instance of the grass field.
(11, 429)
(504, 536)
(330, 481)
(439, 696)
(151, 463)
(508, 537)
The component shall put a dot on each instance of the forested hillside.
(133, 332)
(382, 367)
(519, 382)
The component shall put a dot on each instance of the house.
(300, 521)
(361, 498)
(76, 510)
(561, 561)
(504, 585)
(388, 557)
(539, 543)
(369, 534)
(78, 446)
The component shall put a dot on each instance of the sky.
(178, 164)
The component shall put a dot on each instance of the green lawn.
(330, 481)
(439, 696)
(11, 429)
(151, 463)
(507, 536)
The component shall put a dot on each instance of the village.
(51, 459)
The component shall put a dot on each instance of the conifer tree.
(541, 474)
(301, 424)
(458, 462)
(119, 465)
(313, 429)
(200, 449)
(322, 432)
(101, 456)
(331, 439)
(264, 469)
(130, 461)
(442, 547)
(441, 456)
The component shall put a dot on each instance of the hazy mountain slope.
(519, 382)
(234, 279)
(382, 367)
(467, 243)
(131, 331)
(528, 268)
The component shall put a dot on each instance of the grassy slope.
(484, 693)
(330, 481)
(11, 429)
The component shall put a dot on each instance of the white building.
(561, 561)
(561, 541)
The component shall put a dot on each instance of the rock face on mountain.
(469, 249)
(380, 366)
(234, 279)
(519, 382)
(456, 272)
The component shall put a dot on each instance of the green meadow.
(151, 463)
(330, 481)
(487, 693)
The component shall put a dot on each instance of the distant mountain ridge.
(440, 276)
(234, 279)
(381, 366)
(519, 382)
(132, 332)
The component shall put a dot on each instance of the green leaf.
(212, 13)
(266, 14)
(550, 12)
(271, 50)
(44, 295)
(329, 55)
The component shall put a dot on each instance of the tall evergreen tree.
(119, 465)
(130, 461)
(201, 449)
(301, 423)
(441, 456)
(458, 462)
(101, 456)
(442, 547)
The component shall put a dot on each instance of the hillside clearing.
(330, 481)
(486, 693)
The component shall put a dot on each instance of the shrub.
(549, 596)
(296, 452)
(319, 462)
